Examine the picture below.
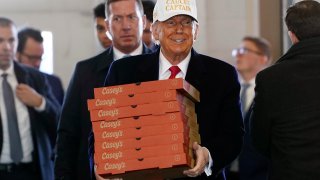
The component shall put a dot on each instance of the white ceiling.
(20, 6)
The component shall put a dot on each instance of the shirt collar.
(117, 54)
(164, 64)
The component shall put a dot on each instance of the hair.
(26, 33)
(303, 19)
(5, 22)
(108, 2)
(99, 11)
(262, 44)
(148, 7)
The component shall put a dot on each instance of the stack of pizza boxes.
(144, 128)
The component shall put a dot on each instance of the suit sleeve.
(69, 130)
(49, 116)
(260, 122)
(227, 141)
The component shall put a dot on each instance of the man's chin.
(130, 46)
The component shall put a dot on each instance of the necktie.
(174, 71)
(243, 98)
(14, 134)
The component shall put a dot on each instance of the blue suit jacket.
(252, 165)
(56, 87)
(43, 124)
(219, 115)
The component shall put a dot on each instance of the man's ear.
(144, 21)
(196, 32)
(107, 24)
(155, 31)
(293, 37)
(108, 32)
(264, 60)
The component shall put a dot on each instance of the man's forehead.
(118, 5)
(180, 16)
(8, 31)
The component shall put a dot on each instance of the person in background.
(28, 117)
(148, 7)
(218, 113)
(125, 22)
(285, 120)
(100, 26)
(252, 56)
(29, 52)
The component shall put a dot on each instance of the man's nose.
(126, 24)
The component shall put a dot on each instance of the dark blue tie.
(243, 98)
(14, 134)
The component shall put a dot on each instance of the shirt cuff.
(207, 169)
(42, 106)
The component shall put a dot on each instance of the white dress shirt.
(164, 73)
(23, 122)
(117, 54)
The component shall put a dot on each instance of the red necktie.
(174, 71)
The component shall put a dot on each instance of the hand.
(28, 95)
(98, 177)
(202, 159)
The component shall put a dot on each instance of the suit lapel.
(22, 76)
(106, 60)
(196, 70)
(148, 70)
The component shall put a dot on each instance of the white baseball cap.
(165, 9)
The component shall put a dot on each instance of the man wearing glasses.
(252, 56)
(29, 52)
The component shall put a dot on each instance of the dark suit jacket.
(43, 124)
(252, 165)
(72, 160)
(218, 113)
(286, 113)
(56, 87)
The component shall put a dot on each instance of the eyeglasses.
(184, 23)
(32, 57)
(243, 50)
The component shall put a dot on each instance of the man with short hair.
(125, 22)
(29, 52)
(252, 56)
(28, 117)
(286, 115)
(100, 26)
(175, 27)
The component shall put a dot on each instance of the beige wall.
(270, 25)
(223, 23)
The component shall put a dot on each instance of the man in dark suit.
(125, 22)
(218, 113)
(29, 52)
(286, 114)
(100, 26)
(252, 56)
(28, 118)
